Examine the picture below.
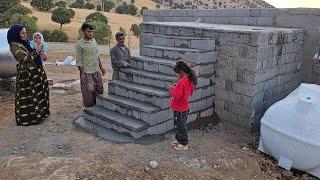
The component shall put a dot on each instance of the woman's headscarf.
(14, 36)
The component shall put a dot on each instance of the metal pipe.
(7, 61)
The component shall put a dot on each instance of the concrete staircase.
(137, 105)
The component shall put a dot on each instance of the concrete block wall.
(255, 67)
(254, 71)
(304, 18)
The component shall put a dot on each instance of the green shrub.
(58, 35)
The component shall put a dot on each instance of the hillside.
(213, 4)
(115, 21)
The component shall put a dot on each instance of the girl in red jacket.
(180, 93)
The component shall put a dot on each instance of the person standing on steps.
(120, 55)
(89, 64)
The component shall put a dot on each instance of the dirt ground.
(57, 149)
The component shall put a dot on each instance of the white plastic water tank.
(290, 130)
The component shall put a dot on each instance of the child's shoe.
(181, 147)
(174, 143)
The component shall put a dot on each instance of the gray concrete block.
(159, 53)
(222, 20)
(207, 91)
(120, 91)
(270, 12)
(207, 69)
(159, 41)
(193, 57)
(229, 12)
(184, 43)
(124, 76)
(157, 129)
(203, 82)
(192, 118)
(217, 12)
(243, 12)
(250, 21)
(171, 54)
(109, 105)
(210, 57)
(255, 12)
(148, 52)
(207, 113)
(170, 125)
(203, 44)
(170, 42)
(235, 20)
(227, 73)
(265, 21)
(196, 95)
(198, 105)
(166, 69)
(151, 67)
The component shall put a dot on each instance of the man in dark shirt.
(120, 55)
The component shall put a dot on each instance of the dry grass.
(115, 21)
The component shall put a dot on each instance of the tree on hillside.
(61, 4)
(133, 1)
(108, 5)
(8, 14)
(42, 5)
(78, 4)
(127, 9)
(143, 7)
(158, 6)
(102, 32)
(29, 22)
(135, 28)
(89, 6)
(61, 15)
(72, 13)
(97, 17)
(6, 5)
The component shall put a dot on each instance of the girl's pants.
(180, 126)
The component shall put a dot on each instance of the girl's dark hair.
(182, 66)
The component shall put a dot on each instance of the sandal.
(174, 143)
(181, 147)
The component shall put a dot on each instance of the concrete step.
(148, 113)
(190, 55)
(159, 65)
(116, 121)
(143, 93)
(118, 137)
(160, 80)
(208, 44)
(128, 103)
(147, 78)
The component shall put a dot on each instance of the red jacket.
(180, 94)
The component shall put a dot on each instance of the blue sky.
(294, 3)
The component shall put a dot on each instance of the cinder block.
(255, 12)
(159, 53)
(270, 12)
(203, 44)
(207, 91)
(171, 54)
(235, 20)
(166, 69)
(184, 43)
(207, 113)
(109, 105)
(151, 67)
(198, 105)
(206, 69)
(265, 21)
(191, 118)
(157, 129)
(159, 41)
(148, 52)
(196, 95)
(243, 12)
